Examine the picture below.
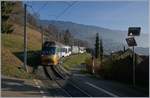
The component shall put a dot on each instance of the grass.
(12, 66)
(14, 43)
(84, 72)
(74, 60)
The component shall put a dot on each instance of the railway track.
(68, 86)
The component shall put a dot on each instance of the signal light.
(134, 31)
(131, 41)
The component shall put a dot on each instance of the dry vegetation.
(120, 68)
(12, 66)
(12, 44)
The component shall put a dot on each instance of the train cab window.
(49, 50)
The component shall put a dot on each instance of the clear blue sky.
(109, 14)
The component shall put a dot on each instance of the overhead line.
(67, 2)
(42, 6)
(38, 9)
(57, 16)
(65, 10)
(31, 8)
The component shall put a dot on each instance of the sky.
(118, 15)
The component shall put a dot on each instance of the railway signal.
(133, 31)
(131, 42)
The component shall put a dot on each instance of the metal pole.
(93, 71)
(133, 68)
(42, 35)
(25, 39)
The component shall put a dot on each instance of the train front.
(49, 56)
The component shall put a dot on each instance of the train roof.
(54, 43)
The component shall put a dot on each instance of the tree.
(33, 19)
(17, 15)
(124, 48)
(97, 48)
(6, 7)
(67, 37)
(51, 32)
(101, 50)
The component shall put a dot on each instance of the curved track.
(57, 75)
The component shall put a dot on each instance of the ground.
(94, 86)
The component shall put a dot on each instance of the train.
(77, 49)
(53, 51)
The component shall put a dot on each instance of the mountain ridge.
(84, 24)
(113, 40)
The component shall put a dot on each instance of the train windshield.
(49, 50)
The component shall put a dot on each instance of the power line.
(57, 16)
(65, 10)
(37, 12)
(67, 2)
(42, 7)
(30, 6)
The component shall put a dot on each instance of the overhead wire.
(56, 16)
(65, 10)
(37, 12)
(42, 7)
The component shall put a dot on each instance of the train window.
(62, 49)
(69, 49)
(58, 49)
(66, 50)
(49, 50)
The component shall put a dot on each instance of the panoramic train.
(52, 52)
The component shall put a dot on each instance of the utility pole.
(133, 67)
(25, 39)
(78, 47)
(93, 70)
(42, 35)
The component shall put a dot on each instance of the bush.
(89, 65)
(120, 70)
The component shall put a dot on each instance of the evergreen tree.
(97, 48)
(124, 48)
(6, 7)
(101, 49)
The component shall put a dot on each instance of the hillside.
(13, 42)
(12, 49)
(85, 32)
